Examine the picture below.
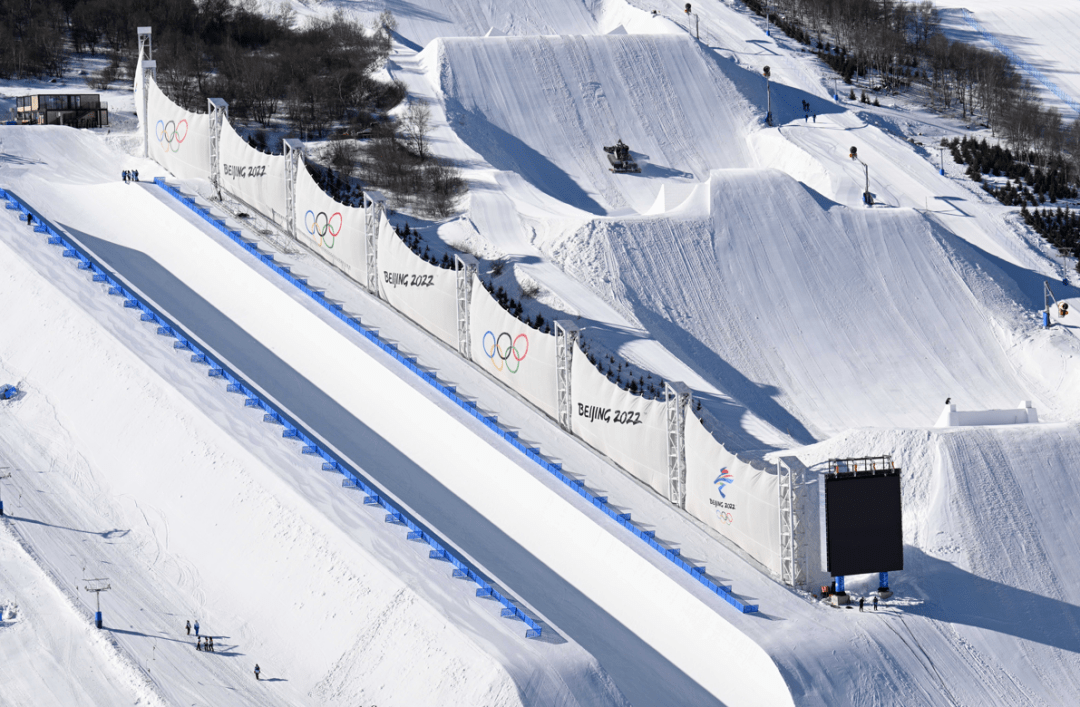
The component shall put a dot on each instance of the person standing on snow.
(257, 671)
(188, 627)
(198, 644)
(861, 600)
(196, 627)
(875, 603)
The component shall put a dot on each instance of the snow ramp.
(544, 107)
(815, 316)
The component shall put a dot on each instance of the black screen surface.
(863, 524)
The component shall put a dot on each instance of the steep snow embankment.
(986, 606)
(818, 317)
(543, 107)
(117, 474)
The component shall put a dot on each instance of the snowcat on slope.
(619, 157)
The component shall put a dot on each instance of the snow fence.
(635, 432)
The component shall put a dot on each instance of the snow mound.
(544, 107)
(815, 316)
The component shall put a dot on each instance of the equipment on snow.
(619, 157)
(7, 392)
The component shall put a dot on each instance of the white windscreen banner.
(513, 352)
(630, 429)
(179, 140)
(335, 231)
(425, 293)
(254, 177)
(736, 499)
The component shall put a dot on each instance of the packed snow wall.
(256, 178)
(521, 357)
(178, 139)
(738, 499)
(425, 293)
(335, 231)
(630, 429)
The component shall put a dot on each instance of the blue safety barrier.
(253, 399)
(489, 421)
(1066, 98)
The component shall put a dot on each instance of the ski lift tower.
(97, 586)
(1048, 296)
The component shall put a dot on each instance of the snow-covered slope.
(986, 607)
(544, 106)
(816, 316)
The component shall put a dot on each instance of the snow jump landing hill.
(544, 106)
(816, 316)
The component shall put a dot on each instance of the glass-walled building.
(81, 110)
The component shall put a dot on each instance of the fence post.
(677, 398)
(294, 154)
(466, 267)
(566, 335)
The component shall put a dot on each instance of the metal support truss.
(374, 205)
(149, 72)
(792, 553)
(677, 398)
(466, 267)
(219, 112)
(146, 43)
(566, 336)
(294, 154)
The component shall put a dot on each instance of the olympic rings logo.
(171, 134)
(505, 350)
(319, 226)
(725, 517)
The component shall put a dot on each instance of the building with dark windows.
(80, 110)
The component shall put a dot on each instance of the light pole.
(942, 149)
(866, 197)
(767, 33)
(98, 586)
(2, 477)
(768, 96)
(835, 90)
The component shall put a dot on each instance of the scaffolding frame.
(149, 68)
(677, 400)
(218, 108)
(566, 335)
(294, 154)
(465, 266)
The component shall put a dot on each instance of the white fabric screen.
(179, 140)
(513, 352)
(256, 178)
(333, 230)
(738, 500)
(423, 292)
(630, 429)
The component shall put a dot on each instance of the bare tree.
(416, 122)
